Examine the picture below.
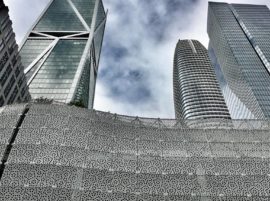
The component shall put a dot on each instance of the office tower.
(58, 152)
(13, 86)
(239, 48)
(61, 52)
(196, 91)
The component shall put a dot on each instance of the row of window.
(50, 96)
(2, 45)
(7, 23)
(2, 101)
(24, 89)
(8, 34)
(17, 71)
(3, 61)
(9, 86)
(13, 95)
(5, 75)
(21, 80)
(49, 91)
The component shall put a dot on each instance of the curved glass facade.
(196, 91)
(58, 152)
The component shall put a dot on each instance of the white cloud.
(152, 51)
(189, 24)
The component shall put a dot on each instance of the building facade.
(61, 52)
(13, 87)
(239, 48)
(196, 91)
(59, 152)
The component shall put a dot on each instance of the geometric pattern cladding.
(60, 152)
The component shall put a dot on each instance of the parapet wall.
(58, 152)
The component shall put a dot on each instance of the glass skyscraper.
(239, 48)
(61, 52)
(13, 86)
(196, 91)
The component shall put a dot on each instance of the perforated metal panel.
(69, 153)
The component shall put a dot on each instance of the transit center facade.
(51, 151)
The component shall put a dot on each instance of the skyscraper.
(196, 91)
(13, 86)
(61, 52)
(239, 48)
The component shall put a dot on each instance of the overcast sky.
(135, 73)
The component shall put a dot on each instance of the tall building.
(13, 86)
(196, 91)
(61, 52)
(239, 48)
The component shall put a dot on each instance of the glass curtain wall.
(61, 53)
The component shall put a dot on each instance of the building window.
(1, 101)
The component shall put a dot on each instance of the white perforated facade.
(58, 152)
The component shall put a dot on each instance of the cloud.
(142, 35)
(139, 47)
(135, 73)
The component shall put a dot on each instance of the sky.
(136, 66)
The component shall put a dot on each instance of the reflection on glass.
(56, 75)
